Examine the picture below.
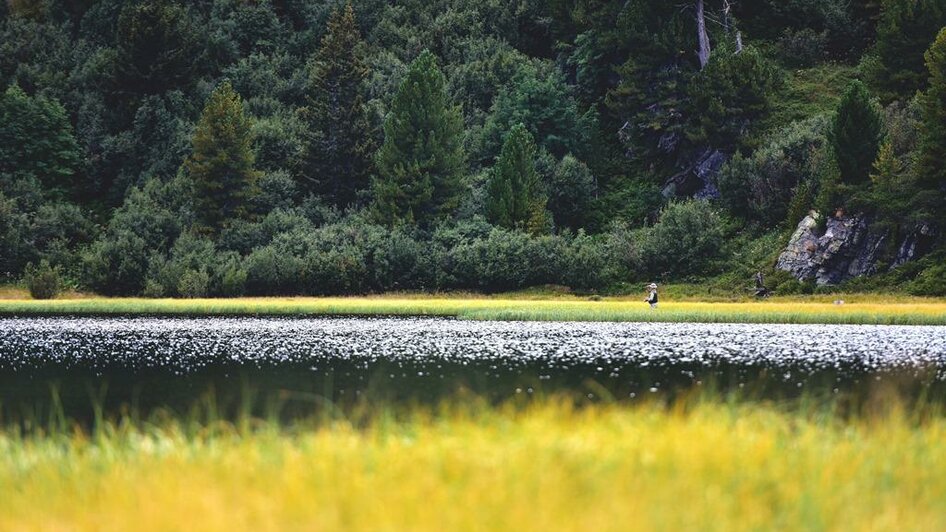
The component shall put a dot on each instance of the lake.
(289, 366)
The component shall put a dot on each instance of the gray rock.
(916, 244)
(848, 248)
(698, 179)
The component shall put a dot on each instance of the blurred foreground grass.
(708, 465)
(860, 310)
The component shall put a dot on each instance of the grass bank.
(515, 307)
(547, 466)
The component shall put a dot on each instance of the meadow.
(708, 465)
(856, 309)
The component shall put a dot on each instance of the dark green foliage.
(109, 171)
(540, 99)
(762, 187)
(572, 190)
(222, 162)
(931, 163)
(148, 222)
(514, 196)
(730, 95)
(194, 268)
(421, 163)
(36, 140)
(158, 48)
(686, 240)
(43, 281)
(906, 29)
(339, 140)
(855, 134)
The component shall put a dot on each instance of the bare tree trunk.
(704, 52)
(738, 42)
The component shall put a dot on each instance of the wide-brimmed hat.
(652, 285)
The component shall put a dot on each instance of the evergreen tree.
(339, 143)
(36, 139)
(158, 48)
(905, 30)
(514, 196)
(222, 163)
(855, 134)
(421, 163)
(931, 161)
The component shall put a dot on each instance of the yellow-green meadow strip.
(911, 312)
(546, 467)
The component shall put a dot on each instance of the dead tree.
(702, 35)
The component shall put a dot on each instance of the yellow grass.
(858, 310)
(549, 467)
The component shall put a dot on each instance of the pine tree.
(890, 193)
(222, 163)
(339, 143)
(421, 163)
(905, 30)
(931, 163)
(855, 134)
(36, 139)
(514, 197)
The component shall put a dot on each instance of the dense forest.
(258, 147)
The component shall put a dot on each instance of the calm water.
(295, 364)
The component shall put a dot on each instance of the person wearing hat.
(652, 297)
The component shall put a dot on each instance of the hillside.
(226, 148)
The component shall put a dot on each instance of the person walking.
(652, 296)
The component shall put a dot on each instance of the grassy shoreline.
(507, 307)
(598, 467)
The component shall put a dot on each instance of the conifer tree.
(222, 162)
(421, 163)
(905, 30)
(514, 196)
(931, 163)
(36, 139)
(855, 134)
(339, 142)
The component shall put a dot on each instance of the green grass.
(707, 466)
(857, 310)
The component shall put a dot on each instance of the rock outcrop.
(698, 179)
(848, 248)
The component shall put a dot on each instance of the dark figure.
(760, 289)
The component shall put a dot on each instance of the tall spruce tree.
(931, 162)
(855, 134)
(222, 162)
(339, 141)
(421, 163)
(514, 197)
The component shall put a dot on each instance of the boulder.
(848, 248)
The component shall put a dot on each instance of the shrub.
(686, 240)
(761, 187)
(802, 48)
(930, 282)
(193, 283)
(43, 281)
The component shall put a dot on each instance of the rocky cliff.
(849, 246)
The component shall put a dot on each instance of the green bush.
(930, 282)
(43, 281)
(761, 187)
(686, 240)
(193, 283)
